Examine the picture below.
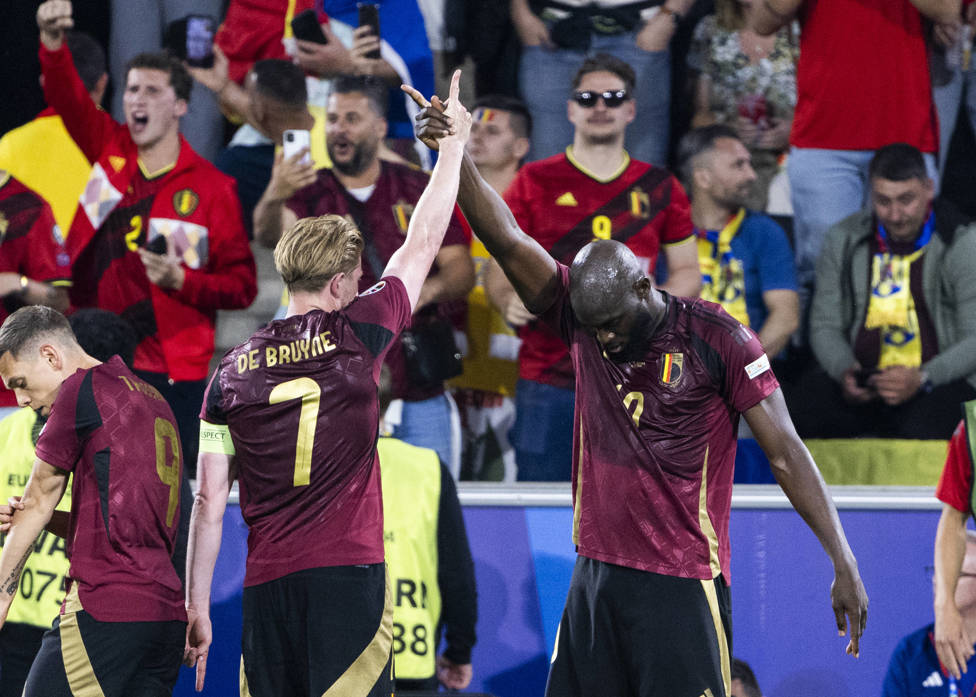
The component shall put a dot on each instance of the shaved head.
(601, 276)
(612, 296)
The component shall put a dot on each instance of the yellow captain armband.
(215, 438)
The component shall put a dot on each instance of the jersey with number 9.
(118, 436)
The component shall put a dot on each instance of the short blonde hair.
(315, 249)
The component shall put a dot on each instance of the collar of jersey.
(603, 180)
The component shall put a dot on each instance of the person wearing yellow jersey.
(500, 130)
(893, 321)
(745, 258)
(101, 334)
(42, 155)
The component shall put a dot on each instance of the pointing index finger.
(418, 98)
(455, 86)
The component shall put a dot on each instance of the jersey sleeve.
(559, 317)
(956, 481)
(47, 259)
(379, 314)
(678, 226)
(73, 417)
(749, 378)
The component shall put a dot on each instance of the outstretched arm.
(531, 270)
(412, 261)
(799, 477)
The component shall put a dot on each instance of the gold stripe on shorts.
(77, 665)
(723, 645)
(362, 675)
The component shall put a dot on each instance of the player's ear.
(335, 285)
(51, 355)
(643, 288)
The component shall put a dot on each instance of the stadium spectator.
(893, 322)
(953, 77)
(744, 256)
(744, 683)
(123, 618)
(149, 187)
(313, 506)
(662, 381)
(41, 153)
(380, 197)
(862, 82)
(748, 82)
(404, 57)
(954, 635)
(593, 190)
(915, 668)
(429, 562)
(34, 268)
(138, 26)
(484, 392)
(101, 335)
(562, 34)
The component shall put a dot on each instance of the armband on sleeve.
(215, 438)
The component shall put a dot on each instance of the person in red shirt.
(862, 82)
(953, 644)
(147, 188)
(662, 382)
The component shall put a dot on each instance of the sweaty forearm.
(950, 548)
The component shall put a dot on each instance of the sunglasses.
(611, 98)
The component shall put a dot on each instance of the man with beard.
(662, 381)
(592, 191)
(379, 196)
(744, 256)
(158, 236)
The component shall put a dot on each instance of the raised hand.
(53, 19)
(433, 123)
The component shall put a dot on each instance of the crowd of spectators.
(583, 109)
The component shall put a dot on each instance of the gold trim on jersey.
(577, 508)
(77, 666)
(706, 523)
(360, 677)
(723, 645)
(603, 180)
(158, 173)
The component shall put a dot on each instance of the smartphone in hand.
(157, 245)
(305, 26)
(369, 15)
(199, 41)
(293, 141)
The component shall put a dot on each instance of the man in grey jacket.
(893, 321)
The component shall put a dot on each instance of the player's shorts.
(81, 656)
(319, 632)
(626, 633)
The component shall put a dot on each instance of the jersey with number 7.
(118, 436)
(296, 407)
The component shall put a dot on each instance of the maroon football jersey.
(383, 219)
(564, 207)
(299, 399)
(654, 440)
(118, 436)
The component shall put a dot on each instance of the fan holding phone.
(320, 51)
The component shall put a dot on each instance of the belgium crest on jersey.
(671, 364)
(401, 213)
(185, 201)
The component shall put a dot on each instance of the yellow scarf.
(723, 280)
(891, 309)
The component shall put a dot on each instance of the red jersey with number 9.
(118, 436)
(299, 400)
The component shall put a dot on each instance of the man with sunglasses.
(594, 190)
